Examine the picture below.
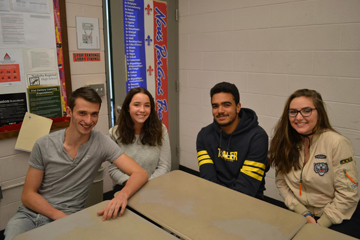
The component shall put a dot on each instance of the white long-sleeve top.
(156, 160)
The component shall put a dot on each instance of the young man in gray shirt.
(64, 164)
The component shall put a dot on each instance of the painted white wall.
(13, 163)
(269, 49)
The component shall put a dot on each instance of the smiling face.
(225, 111)
(139, 109)
(303, 125)
(84, 116)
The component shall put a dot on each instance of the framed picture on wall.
(87, 33)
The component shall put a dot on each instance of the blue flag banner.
(134, 44)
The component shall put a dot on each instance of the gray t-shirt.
(67, 181)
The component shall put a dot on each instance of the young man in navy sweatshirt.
(232, 151)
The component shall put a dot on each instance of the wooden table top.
(315, 232)
(194, 208)
(87, 225)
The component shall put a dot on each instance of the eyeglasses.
(305, 112)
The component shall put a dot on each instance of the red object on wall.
(86, 57)
(161, 61)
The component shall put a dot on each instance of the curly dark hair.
(151, 132)
(284, 146)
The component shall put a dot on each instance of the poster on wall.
(134, 38)
(37, 6)
(45, 101)
(12, 108)
(87, 32)
(50, 78)
(4, 6)
(26, 30)
(10, 73)
(145, 31)
(41, 59)
(12, 32)
(11, 67)
(31, 57)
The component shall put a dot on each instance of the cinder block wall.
(269, 49)
(13, 163)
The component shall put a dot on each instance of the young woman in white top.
(142, 136)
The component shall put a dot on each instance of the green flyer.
(45, 101)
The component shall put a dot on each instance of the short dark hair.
(86, 93)
(226, 88)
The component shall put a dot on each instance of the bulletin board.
(34, 63)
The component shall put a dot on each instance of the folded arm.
(206, 164)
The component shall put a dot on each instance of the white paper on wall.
(35, 6)
(12, 30)
(41, 59)
(11, 60)
(4, 5)
(51, 79)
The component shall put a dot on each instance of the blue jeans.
(23, 221)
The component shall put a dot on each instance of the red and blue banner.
(146, 55)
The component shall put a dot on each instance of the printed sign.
(12, 108)
(134, 44)
(161, 61)
(9, 73)
(145, 31)
(86, 57)
(45, 101)
(43, 79)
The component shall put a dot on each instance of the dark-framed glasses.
(305, 112)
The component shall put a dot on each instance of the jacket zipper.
(301, 181)
(303, 169)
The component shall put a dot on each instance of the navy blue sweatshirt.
(236, 160)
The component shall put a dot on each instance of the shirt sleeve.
(112, 133)
(253, 170)
(117, 175)
(345, 182)
(206, 164)
(36, 158)
(111, 149)
(164, 163)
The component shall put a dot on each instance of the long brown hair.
(151, 132)
(284, 147)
